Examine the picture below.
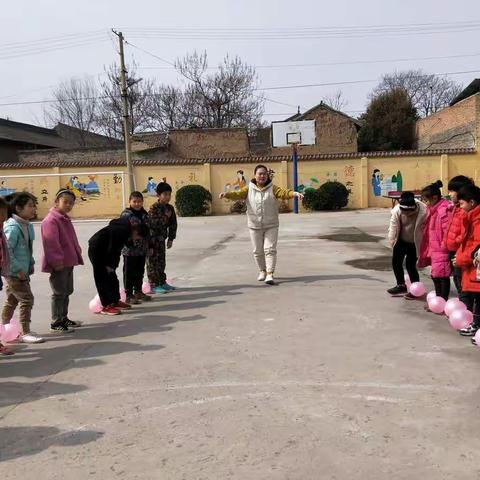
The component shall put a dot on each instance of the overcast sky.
(29, 76)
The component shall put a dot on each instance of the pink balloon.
(431, 295)
(10, 332)
(460, 319)
(477, 338)
(95, 306)
(450, 306)
(146, 288)
(417, 289)
(437, 305)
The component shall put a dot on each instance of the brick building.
(457, 126)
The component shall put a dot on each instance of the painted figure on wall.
(151, 187)
(5, 190)
(384, 184)
(376, 182)
(238, 184)
(84, 191)
(312, 182)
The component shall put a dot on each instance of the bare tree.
(168, 108)
(428, 92)
(110, 112)
(226, 98)
(335, 100)
(76, 104)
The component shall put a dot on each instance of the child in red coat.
(469, 198)
(453, 236)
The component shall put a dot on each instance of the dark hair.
(141, 229)
(136, 195)
(433, 190)
(456, 183)
(163, 187)
(469, 192)
(65, 191)
(4, 204)
(407, 201)
(19, 200)
(258, 167)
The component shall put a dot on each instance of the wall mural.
(238, 184)
(382, 184)
(84, 191)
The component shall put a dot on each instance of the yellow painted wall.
(356, 174)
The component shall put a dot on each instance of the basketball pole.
(295, 176)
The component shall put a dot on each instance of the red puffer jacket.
(470, 243)
(453, 236)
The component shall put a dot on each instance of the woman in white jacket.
(263, 218)
(405, 236)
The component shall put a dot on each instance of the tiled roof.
(167, 159)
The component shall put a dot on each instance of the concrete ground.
(321, 377)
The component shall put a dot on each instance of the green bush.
(193, 201)
(330, 196)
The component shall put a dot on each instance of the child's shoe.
(122, 305)
(61, 327)
(469, 331)
(72, 324)
(398, 291)
(110, 310)
(409, 296)
(31, 337)
(159, 290)
(269, 279)
(132, 301)
(168, 288)
(5, 351)
(142, 297)
(262, 276)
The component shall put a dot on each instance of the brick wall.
(453, 127)
(204, 143)
(335, 133)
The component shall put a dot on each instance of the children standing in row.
(434, 252)
(162, 222)
(20, 236)
(62, 253)
(135, 252)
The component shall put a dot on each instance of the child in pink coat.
(62, 252)
(434, 251)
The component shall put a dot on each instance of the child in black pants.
(135, 252)
(405, 236)
(104, 250)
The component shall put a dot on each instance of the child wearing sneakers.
(434, 252)
(405, 236)
(135, 252)
(4, 258)
(20, 236)
(62, 253)
(453, 235)
(467, 255)
(162, 223)
(104, 250)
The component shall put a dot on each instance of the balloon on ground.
(454, 304)
(460, 319)
(146, 288)
(95, 306)
(417, 289)
(431, 295)
(437, 305)
(9, 332)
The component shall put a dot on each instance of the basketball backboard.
(285, 134)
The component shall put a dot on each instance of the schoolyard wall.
(368, 178)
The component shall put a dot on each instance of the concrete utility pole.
(126, 114)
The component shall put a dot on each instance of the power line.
(328, 64)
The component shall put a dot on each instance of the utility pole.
(126, 114)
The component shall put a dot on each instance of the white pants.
(264, 243)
